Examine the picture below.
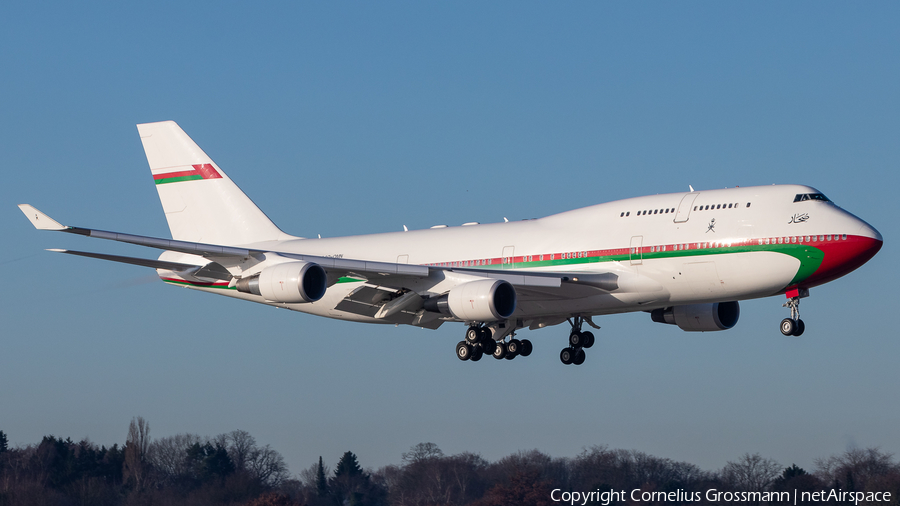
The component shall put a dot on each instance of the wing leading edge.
(390, 291)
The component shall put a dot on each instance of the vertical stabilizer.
(200, 201)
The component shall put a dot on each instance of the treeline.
(232, 469)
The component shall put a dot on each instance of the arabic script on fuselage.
(799, 218)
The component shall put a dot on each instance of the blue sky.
(349, 118)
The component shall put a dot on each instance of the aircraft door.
(508, 254)
(636, 252)
(684, 208)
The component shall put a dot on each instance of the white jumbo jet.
(685, 258)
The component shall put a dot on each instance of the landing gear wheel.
(788, 327)
(579, 357)
(499, 351)
(514, 347)
(576, 339)
(526, 348)
(588, 339)
(488, 347)
(567, 355)
(463, 351)
(800, 328)
(473, 335)
(477, 353)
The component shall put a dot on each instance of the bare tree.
(168, 456)
(751, 473)
(422, 451)
(267, 465)
(856, 468)
(137, 447)
(240, 444)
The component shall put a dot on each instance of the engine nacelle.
(700, 317)
(287, 282)
(487, 300)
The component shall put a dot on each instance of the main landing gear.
(578, 341)
(479, 342)
(794, 326)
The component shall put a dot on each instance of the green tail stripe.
(178, 179)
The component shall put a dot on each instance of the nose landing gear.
(794, 326)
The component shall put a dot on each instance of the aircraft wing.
(385, 274)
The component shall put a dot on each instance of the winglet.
(40, 220)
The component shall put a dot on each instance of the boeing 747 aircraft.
(684, 258)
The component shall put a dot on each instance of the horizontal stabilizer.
(143, 262)
(211, 270)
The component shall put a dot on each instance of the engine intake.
(287, 282)
(486, 300)
(700, 317)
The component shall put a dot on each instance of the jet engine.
(287, 282)
(485, 300)
(700, 317)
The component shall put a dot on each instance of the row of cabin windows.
(718, 206)
(802, 239)
(734, 205)
(507, 260)
(769, 240)
(648, 211)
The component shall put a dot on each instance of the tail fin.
(201, 203)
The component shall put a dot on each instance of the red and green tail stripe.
(201, 171)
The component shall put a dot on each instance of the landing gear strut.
(794, 326)
(578, 341)
(479, 342)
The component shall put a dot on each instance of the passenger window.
(695, 208)
(748, 204)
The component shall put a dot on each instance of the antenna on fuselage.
(692, 188)
(505, 220)
(405, 229)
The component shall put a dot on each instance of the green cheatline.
(810, 257)
(177, 179)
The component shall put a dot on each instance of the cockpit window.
(811, 196)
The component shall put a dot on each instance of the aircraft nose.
(845, 255)
(866, 230)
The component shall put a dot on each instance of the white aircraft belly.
(722, 277)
